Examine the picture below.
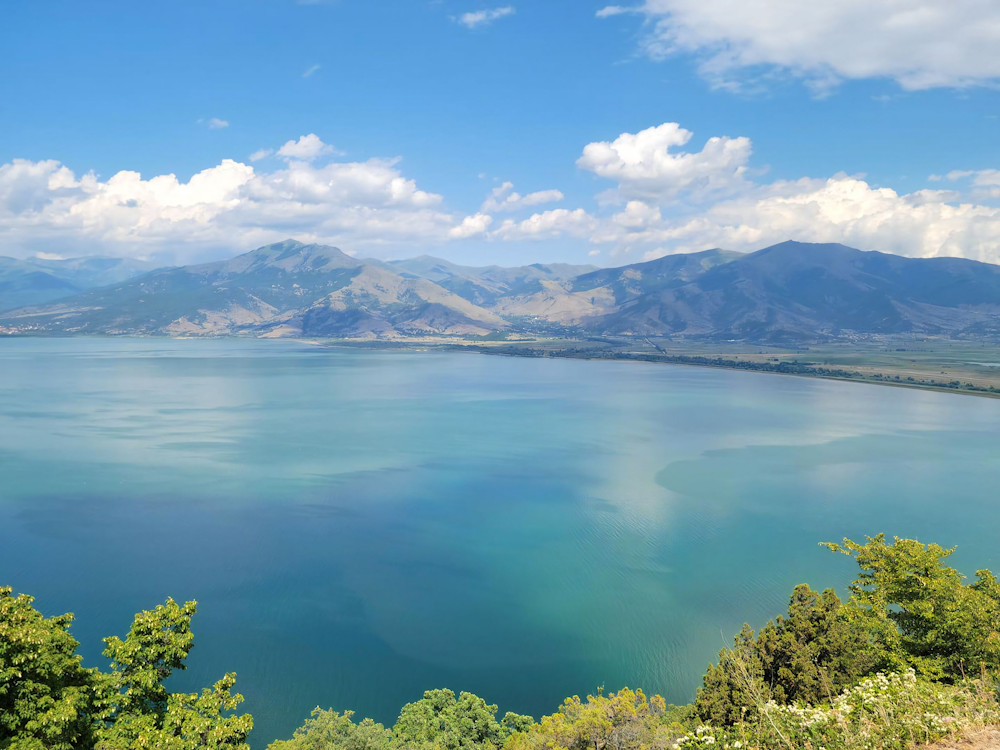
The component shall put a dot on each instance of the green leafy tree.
(330, 730)
(145, 714)
(806, 657)
(919, 612)
(47, 699)
(626, 720)
(439, 720)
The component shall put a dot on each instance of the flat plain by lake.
(359, 526)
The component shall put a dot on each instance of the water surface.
(359, 526)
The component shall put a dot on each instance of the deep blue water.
(358, 527)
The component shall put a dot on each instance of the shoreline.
(717, 362)
(860, 380)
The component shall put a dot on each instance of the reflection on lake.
(360, 526)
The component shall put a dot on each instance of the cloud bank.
(45, 206)
(920, 44)
(658, 195)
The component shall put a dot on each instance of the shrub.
(625, 720)
(917, 611)
(807, 657)
(329, 729)
(893, 711)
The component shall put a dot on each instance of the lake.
(359, 526)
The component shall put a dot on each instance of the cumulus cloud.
(557, 222)
(920, 44)
(261, 154)
(216, 124)
(665, 200)
(677, 201)
(471, 226)
(504, 198)
(645, 165)
(484, 17)
(306, 148)
(840, 209)
(46, 207)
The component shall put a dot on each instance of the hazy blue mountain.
(799, 290)
(484, 285)
(35, 281)
(288, 288)
(587, 299)
(791, 291)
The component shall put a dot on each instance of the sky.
(495, 132)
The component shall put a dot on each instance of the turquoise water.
(361, 526)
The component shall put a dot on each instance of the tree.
(626, 720)
(440, 720)
(47, 699)
(919, 613)
(145, 714)
(806, 657)
(329, 730)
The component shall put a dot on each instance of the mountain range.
(39, 280)
(788, 292)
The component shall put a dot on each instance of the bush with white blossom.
(888, 711)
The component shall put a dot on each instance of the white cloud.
(471, 226)
(261, 154)
(841, 209)
(549, 224)
(987, 177)
(663, 206)
(306, 148)
(980, 178)
(310, 70)
(504, 198)
(614, 10)
(216, 124)
(666, 207)
(918, 43)
(985, 182)
(484, 17)
(228, 208)
(645, 165)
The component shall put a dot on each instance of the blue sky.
(418, 111)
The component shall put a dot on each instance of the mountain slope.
(35, 281)
(592, 297)
(789, 292)
(285, 288)
(486, 284)
(796, 290)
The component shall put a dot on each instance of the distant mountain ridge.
(35, 281)
(788, 292)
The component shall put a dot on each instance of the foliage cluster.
(894, 711)
(49, 701)
(913, 655)
(438, 720)
(907, 610)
